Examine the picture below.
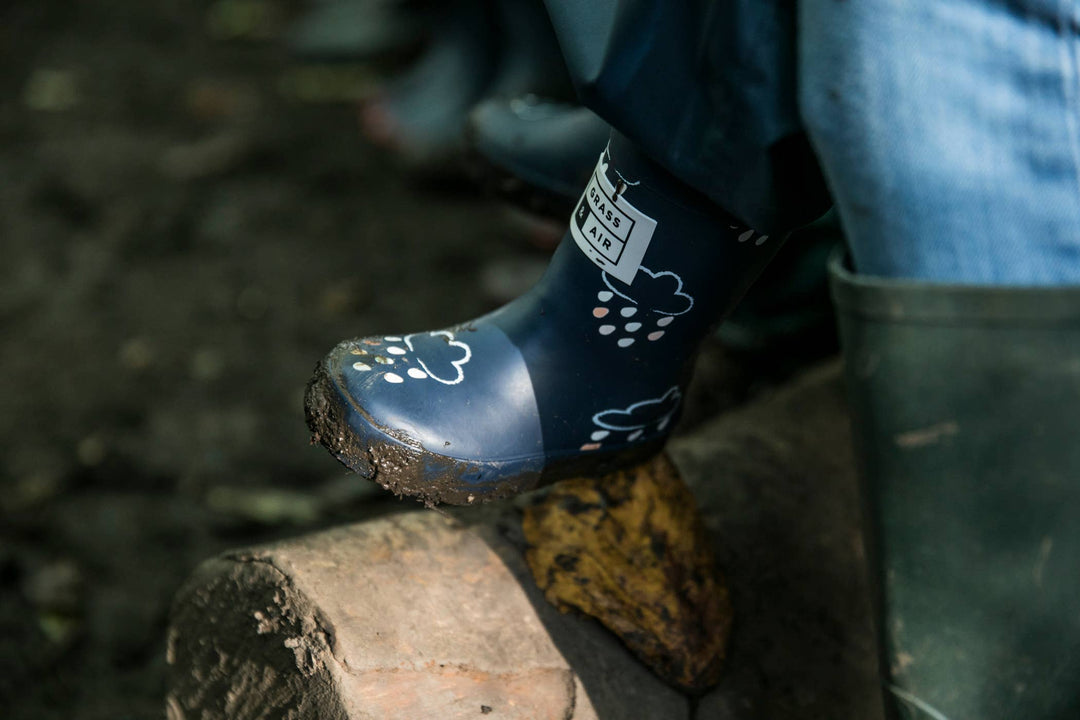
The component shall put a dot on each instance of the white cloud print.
(661, 292)
(440, 355)
(640, 414)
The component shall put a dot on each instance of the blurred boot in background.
(358, 31)
(501, 49)
(535, 152)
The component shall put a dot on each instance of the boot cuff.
(915, 302)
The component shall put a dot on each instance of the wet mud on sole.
(407, 469)
(402, 467)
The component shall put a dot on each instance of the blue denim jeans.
(949, 132)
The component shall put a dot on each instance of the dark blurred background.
(189, 220)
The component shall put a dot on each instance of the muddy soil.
(183, 235)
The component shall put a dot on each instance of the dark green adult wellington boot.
(966, 412)
(583, 374)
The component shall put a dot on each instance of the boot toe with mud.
(583, 374)
(405, 412)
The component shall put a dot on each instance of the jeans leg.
(949, 132)
(706, 88)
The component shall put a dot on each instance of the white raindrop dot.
(656, 335)
(417, 373)
(599, 435)
(664, 321)
(746, 236)
(384, 360)
(604, 295)
(393, 378)
(607, 329)
(633, 327)
(628, 311)
(393, 350)
(626, 342)
(663, 423)
(392, 338)
(761, 240)
(361, 366)
(635, 435)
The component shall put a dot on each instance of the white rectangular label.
(610, 231)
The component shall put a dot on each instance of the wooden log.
(408, 617)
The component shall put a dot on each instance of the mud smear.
(398, 463)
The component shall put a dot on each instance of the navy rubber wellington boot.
(581, 375)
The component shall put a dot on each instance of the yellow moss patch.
(630, 550)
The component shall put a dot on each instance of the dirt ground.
(183, 236)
